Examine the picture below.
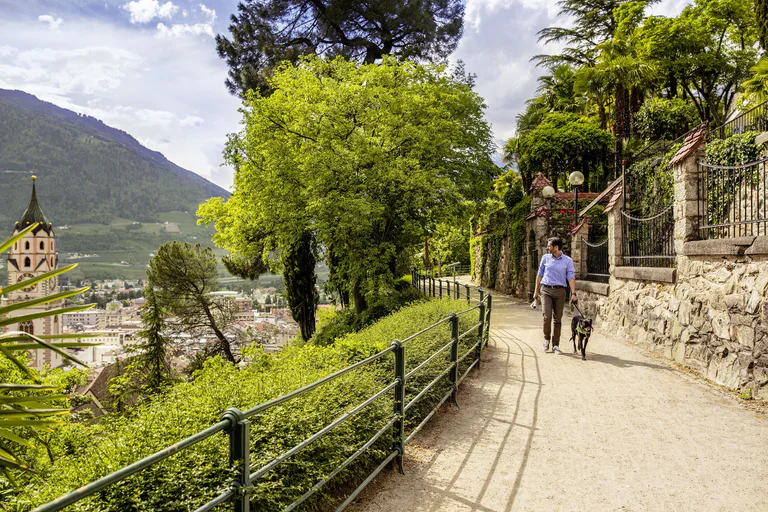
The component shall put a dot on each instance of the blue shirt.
(556, 271)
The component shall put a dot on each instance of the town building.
(34, 255)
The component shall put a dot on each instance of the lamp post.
(575, 179)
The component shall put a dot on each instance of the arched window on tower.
(27, 262)
(27, 327)
(26, 245)
(42, 245)
(52, 261)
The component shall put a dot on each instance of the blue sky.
(149, 67)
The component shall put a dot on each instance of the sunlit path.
(620, 431)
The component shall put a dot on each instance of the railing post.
(399, 404)
(488, 319)
(454, 376)
(467, 287)
(239, 456)
(448, 285)
(480, 334)
(440, 283)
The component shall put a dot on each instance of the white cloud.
(176, 31)
(7, 51)
(209, 13)
(144, 11)
(53, 22)
(89, 70)
(191, 121)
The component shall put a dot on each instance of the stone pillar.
(579, 248)
(687, 207)
(615, 233)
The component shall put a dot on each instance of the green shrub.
(84, 453)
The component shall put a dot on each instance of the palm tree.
(29, 404)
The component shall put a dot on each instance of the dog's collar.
(580, 330)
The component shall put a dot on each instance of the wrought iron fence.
(754, 119)
(733, 200)
(649, 242)
(452, 362)
(597, 260)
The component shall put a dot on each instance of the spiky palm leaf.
(22, 404)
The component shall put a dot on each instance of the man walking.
(555, 272)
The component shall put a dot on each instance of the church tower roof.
(34, 213)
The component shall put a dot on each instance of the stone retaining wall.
(714, 319)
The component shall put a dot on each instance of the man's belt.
(550, 286)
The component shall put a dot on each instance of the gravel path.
(621, 431)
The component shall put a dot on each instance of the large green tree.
(184, 278)
(707, 52)
(367, 156)
(267, 32)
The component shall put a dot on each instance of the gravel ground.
(624, 430)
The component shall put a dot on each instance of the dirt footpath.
(543, 432)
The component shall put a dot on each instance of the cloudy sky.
(150, 68)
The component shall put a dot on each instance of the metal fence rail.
(733, 200)
(754, 119)
(596, 256)
(236, 422)
(649, 242)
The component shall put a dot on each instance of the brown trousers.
(553, 302)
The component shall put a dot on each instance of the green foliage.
(735, 150)
(92, 173)
(266, 33)
(707, 51)
(371, 156)
(184, 277)
(346, 321)
(153, 346)
(299, 276)
(517, 227)
(509, 188)
(662, 118)
(190, 477)
(746, 394)
(553, 145)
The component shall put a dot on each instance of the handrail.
(743, 114)
(235, 422)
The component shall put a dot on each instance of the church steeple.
(34, 213)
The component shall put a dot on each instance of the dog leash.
(577, 309)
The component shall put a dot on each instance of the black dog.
(581, 329)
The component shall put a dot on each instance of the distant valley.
(112, 201)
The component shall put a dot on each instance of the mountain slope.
(88, 172)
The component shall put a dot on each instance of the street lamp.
(575, 179)
(548, 192)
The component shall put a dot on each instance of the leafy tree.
(555, 145)
(707, 51)
(368, 156)
(761, 12)
(267, 32)
(183, 278)
(661, 118)
(593, 23)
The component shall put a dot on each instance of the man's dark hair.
(556, 242)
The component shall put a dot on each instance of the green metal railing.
(235, 423)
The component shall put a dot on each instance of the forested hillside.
(88, 171)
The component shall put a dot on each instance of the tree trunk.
(223, 341)
(359, 298)
(427, 260)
